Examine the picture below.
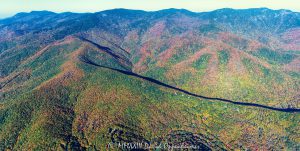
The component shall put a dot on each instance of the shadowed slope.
(290, 110)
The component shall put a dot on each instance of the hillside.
(221, 80)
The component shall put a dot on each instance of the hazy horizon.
(9, 8)
(140, 10)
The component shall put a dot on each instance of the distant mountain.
(221, 80)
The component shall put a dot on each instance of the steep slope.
(220, 65)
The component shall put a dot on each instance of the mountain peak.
(43, 12)
(175, 10)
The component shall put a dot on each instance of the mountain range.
(221, 80)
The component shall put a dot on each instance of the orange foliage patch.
(293, 66)
(185, 66)
(292, 38)
(151, 42)
(254, 45)
(69, 71)
(145, 52)
(225, 36)
(156, 30)
(66, 40)
(175, 42)
(9, 83)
